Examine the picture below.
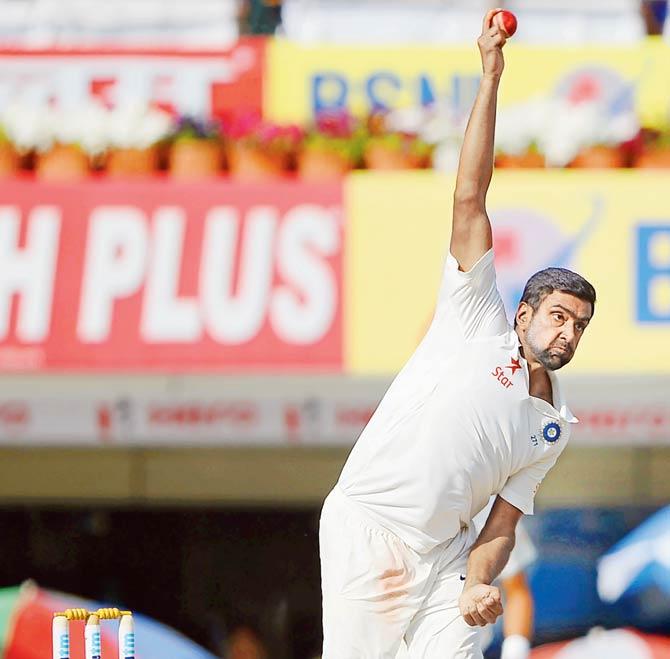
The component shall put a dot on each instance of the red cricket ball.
(505, 20)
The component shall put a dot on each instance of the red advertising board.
(208, 83)
(156, 276)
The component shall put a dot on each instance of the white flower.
(90, 128)
(519, 126)
(561, 129)
(137, 126)
(407, 120)
(443, 124)
(28, 126)
(570, 129)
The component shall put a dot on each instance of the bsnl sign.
(335, 91)
(653, 273)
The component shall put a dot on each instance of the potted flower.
(331, 148)
(134, 136)
(195, 150)
(655, 150)
(395, 150)
(599, 156)
(519, 130)
(10, 161)
(530, 158)
(258, 150)
(62, 162)
(75, 138)
(599, 139)
(48, 138)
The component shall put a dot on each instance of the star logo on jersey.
(499, 373)
(514, 366)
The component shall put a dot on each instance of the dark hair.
(546, 281)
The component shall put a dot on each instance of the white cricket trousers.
(378, 591)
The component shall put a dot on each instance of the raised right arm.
(471, 235)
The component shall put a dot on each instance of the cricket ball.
(506, 21)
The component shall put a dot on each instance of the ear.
(524, 313)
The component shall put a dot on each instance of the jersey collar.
(560, 407)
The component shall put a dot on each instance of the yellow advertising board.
(303, 80)
(611, 227)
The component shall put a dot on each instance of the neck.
(539, 384)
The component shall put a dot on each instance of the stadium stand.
(456, 21)
(134, 23)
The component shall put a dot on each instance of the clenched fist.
(480, 605)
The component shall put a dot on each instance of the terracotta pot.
(527, 160)
(10, 160)
(132, 163)
(251, 163)
(599, 157)
(63, 162)
(322, 165)
(194, 159)
(654, 158)
(381, 157)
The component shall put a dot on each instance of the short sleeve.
(522, 486)
(473, 298)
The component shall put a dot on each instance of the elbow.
(468, 202)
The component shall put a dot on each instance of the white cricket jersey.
(458, 423)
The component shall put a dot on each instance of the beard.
(553, 357)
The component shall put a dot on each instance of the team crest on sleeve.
(551, 432)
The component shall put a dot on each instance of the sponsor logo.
(500, 375)
(653, 273)
(514, 366)
(551, 432)
(237, 414)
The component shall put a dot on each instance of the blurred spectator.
(654, 13)
(260, 16)
(244, 643)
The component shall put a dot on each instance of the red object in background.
(243, 94)
(627, 643)
(26, 615)
(217, 84)
(506, 20)
(156, 276)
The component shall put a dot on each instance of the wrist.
(515, 647)
(475, 580)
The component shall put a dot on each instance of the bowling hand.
(480, 605)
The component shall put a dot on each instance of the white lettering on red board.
(28, 271)
(127, 254)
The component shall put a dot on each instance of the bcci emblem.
(551, 432)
